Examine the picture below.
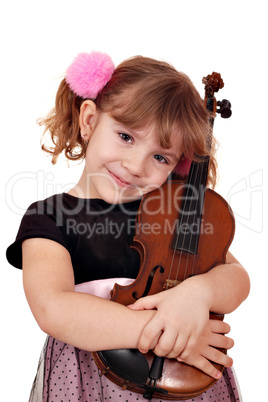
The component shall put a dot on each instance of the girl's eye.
(125, 137)
(161, 159)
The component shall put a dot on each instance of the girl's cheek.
(158, 180)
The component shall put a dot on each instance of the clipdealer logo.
(246, 199)
(245, 196)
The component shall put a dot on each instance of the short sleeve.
(40, 220)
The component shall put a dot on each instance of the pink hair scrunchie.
(89, 73)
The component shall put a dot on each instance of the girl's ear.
(87, 118)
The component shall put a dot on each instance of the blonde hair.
(142, 91)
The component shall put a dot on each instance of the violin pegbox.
(213, 83)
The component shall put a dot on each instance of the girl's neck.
(81, 190)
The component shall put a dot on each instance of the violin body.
(216, 234)
(163, 265)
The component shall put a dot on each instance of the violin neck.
(198, 174)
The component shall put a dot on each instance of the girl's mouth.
(120, 181)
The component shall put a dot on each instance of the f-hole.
(149, 282)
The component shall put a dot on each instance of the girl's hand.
(181, 317)
(205, 351)
(181, 328)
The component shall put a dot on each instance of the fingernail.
(143, 351)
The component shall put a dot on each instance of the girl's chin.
(122, 195)
(120, 199)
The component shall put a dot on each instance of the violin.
(197, 228)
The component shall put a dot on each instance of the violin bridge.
(171, 283)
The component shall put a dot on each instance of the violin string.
(177, 236)
(194, 210)
(199, 166)
(187, 222)
(204, 171)
(173, 256)
(203, 167)
(184, 237)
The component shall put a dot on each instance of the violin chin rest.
(129, 364)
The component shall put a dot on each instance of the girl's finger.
(144, 303)
(219, 326)
(221, 341)
(204, 365)
(151, 332)
(166, 344)
(218, 357)
(179, 346)
(189, 347)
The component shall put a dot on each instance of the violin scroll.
(213, 82)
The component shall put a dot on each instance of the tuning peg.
(224, 108)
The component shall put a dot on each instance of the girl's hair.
(141, 92)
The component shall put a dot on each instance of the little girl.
(133, 125)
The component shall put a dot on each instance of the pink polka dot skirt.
(68, 374)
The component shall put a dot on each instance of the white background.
(38, 42)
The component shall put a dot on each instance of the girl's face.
(121, 164)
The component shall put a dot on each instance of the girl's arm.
(226, 286)
(89, 322)
(85, 321)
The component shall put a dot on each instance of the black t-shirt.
(96, 234)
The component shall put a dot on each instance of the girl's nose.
(135, 165)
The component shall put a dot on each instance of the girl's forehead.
(174, 136)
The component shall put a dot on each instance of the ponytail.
(63, 125)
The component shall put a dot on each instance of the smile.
(119, 181)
